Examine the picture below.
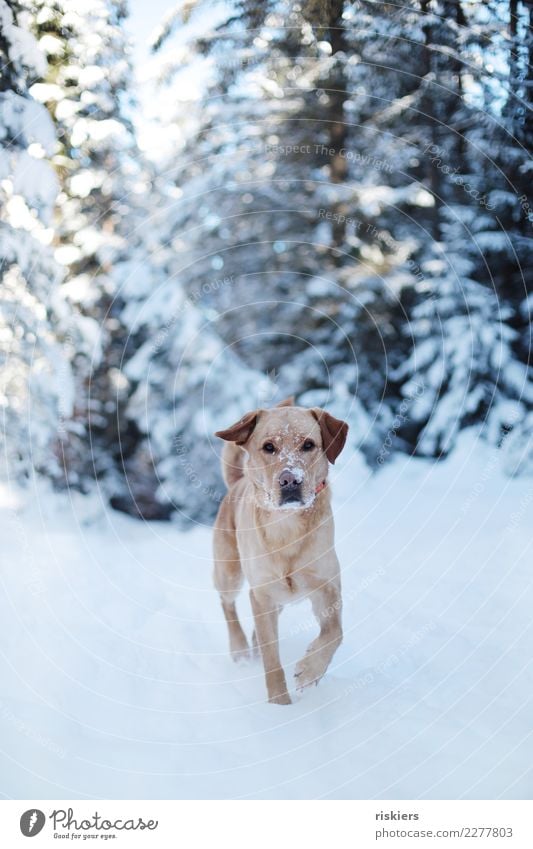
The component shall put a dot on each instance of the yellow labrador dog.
(275, 527)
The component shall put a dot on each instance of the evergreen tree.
(38, 332)
(270, 195)
(467, 330)
(101, 237)
(342, 214)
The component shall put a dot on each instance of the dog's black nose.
(289, 480)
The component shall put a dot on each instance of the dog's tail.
(233, 458)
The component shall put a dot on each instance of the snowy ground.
(116, 682)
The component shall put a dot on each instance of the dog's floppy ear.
(334, 432)
(287, 402)
(241, 431)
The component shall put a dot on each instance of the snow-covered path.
(116, 681)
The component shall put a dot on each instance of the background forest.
(326, 199)
(264, 198)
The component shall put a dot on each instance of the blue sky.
(144, 17)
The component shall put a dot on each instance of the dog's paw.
(281, 699)
(307, 673)
(240, 650)
(241, 655)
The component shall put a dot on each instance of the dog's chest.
(288, 572)
(285, 554)
(284, 581)
(293, 584)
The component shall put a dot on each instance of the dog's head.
(288, 452)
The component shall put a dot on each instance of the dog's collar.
(320, 487)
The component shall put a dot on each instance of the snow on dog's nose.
(291, 486)
(289, 479)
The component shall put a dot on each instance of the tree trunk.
(433, 173)
(330, 17)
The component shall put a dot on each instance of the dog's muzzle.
(291, 487)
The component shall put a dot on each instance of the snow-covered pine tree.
(102, 238)
(187, 382)
(465, 328)
(514, 207)
(113, 252)
(276, 191)
(38, 332)
(462, 369)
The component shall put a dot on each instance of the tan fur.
(233, 456)
(284, 552)
(232, 459)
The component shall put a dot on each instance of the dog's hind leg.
(228, 579)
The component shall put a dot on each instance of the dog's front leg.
(266, 616)
(327, 607)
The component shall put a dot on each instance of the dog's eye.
(308, 445)
(269, 447)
